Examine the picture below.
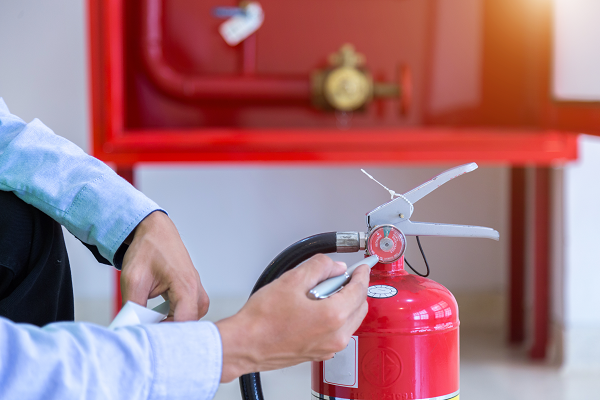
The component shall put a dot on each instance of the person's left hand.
(157, 263)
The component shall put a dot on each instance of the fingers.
(157, 262)
(355, 292)
(345, 310)
(315, 270)
(352, 300)
(185, 300)
(203, 303)
(184, 310)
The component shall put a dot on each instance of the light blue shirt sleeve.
(77, 190)
(67, 360)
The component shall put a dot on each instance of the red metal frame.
(517, 122)
(384, 146)
(112, 142)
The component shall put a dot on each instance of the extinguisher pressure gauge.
(386, 242)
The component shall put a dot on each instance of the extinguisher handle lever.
(410, 228)
(401, 208)
(424, 189)
(398, 211)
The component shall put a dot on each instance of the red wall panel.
(479, 80)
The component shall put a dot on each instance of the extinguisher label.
(342, 369)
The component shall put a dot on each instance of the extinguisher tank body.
(407, 347)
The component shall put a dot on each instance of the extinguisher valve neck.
(350, 242)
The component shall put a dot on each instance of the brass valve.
(347, 85)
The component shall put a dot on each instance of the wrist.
(238, 347)
(147, 224)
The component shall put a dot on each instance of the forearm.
(75, 360)
(239, 356)
(75, 189)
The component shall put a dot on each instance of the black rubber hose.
(286, 260)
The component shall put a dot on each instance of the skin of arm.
(280, 326)
(157, 263)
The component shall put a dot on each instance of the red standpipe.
(224, 87)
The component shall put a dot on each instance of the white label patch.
(381, 291)
(342, 369)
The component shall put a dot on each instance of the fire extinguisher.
(407, 347)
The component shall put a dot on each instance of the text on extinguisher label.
(342, 369)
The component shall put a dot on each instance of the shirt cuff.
(120, 253)
(105, 211)
(187, 358)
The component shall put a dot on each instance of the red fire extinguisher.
(407, 347)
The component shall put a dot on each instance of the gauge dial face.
(386, 242)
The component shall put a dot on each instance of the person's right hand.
(280, 326)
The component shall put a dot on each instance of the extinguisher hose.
(286, 260)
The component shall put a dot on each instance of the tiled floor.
(489, 371)
(492, 371)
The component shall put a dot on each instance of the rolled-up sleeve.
(75, 189)
(85, 361)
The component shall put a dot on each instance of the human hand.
(280, 326)
(156, 263)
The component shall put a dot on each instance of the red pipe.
(541, 290)
(516, 333)
(126, 172)
(225, 87)
(249, 55)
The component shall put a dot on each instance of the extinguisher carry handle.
(398, 211)
(410, 228)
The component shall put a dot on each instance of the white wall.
(235, 219)
(43, 64)
(581, 304)
(43, 75)
(576, 77)
(577, 50)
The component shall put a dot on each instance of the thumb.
(183, 308)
